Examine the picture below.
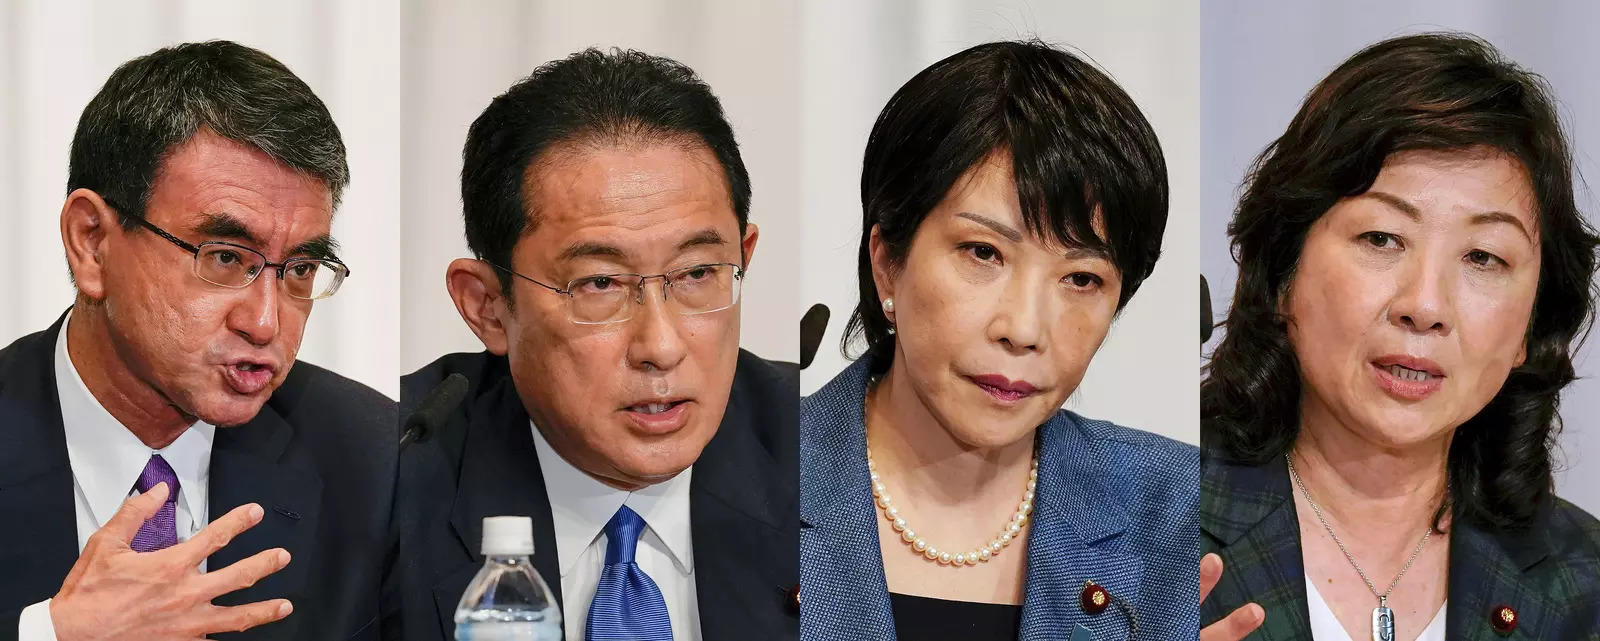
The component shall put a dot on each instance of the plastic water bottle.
(507, 600)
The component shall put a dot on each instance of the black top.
(920, 618)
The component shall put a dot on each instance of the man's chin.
(229, 412)
(652, 466)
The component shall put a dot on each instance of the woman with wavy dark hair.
(1377, 423)
(1014, 198)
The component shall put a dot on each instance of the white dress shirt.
(580, 507)
(106, 461)
(1326, 627)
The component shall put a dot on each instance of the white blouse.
(1325, 626)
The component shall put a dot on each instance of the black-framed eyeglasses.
(601, 299)
(235, 266)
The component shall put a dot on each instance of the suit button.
(1504, 619)
(1094, 598)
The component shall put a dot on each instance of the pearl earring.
(888, 305)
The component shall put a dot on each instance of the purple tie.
(161, 531)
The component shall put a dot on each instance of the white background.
(1260, 59)
(55, 55)
(857, 54)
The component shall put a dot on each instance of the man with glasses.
(607, 206)
(202, 187)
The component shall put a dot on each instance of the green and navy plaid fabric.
(1549, 573)
(1113, 504)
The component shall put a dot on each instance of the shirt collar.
(580, 507)
(107, 459)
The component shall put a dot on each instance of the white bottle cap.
(507, 536)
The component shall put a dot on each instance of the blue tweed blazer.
(1113, 505)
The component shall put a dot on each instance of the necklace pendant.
(1382, 622)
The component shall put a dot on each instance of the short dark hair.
(592, 96)
(1437, 91)
(1075, 139)
(154, 103)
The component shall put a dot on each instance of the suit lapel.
(737, 506)
(1488, 570)
(35, 475)
(844, 593)
(1078, 519)
(248, 466)
(499, 476)
(1247, 514)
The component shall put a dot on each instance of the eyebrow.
(591, 249)
(323, 246)
(1487, 218)
(703, 237)
(1412, 211)
(998, 227)
(1072, 253)
(1077, 253)
(228, 227)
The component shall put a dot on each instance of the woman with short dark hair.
(1378, 420)
(1014, 199)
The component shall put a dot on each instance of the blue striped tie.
(627, 605)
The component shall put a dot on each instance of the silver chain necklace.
(1382, 617)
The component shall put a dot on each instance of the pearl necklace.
(1011, 532)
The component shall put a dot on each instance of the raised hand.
(114, 592)
(1239, 623)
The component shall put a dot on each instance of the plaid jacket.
(1113, 504)
(1549, 574)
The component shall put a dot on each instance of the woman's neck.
(926, 465)
(1356, 481)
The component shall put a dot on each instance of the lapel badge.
(1094, 598)
(1503, 619)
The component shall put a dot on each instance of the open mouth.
(1408, 374)
(1408, 378)
(654, 408)
(657, 417)
(248, 377)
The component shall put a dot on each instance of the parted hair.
(154, 103)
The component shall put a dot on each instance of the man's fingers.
(219, 532)
(1210, 573)
(243, 617)
(243, 574)
(1236, 626)
(125, 524)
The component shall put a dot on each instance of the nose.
(1019, 322)
(254, 315)
(656, 343)
(1424, 299)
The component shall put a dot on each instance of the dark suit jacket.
(1549, 573)
(319, 457)
(743, 502)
